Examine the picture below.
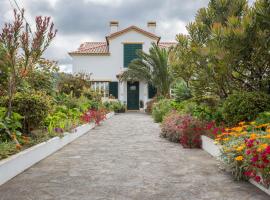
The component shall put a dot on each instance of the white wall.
(107, 67)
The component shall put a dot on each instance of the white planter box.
(209, 146)
(19, 162)
(266, 190)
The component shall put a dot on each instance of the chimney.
(114, 26)
(151, 25)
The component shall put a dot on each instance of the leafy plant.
(160, 109)
(9, 125)
(245, 106)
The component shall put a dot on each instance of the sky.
(80, 21)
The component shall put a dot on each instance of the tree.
(152, 67)
(22, 50)
(227, 49)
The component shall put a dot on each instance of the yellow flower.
(266, 136)
(240, 148)
(238, 128)
(268, 130)
(226, 139)
(239, 158)
(253, 136)
(252, 123)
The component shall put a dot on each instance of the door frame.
(137, 83)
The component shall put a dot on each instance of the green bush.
(245, 106)
(161, 108)
(263, 118)
(115, 106)
(181, 92)
(33, 106)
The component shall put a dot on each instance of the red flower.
(257, 179)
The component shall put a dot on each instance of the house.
(107, 60)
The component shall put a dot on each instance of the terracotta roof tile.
(92, 48)
(166, 44)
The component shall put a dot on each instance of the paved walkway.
(125, 159)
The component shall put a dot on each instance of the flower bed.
(246, 152)
(14, 165)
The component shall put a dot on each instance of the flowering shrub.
(169, 127)
(94, 115)
(191, 131)
(184, 129)
(246, 150)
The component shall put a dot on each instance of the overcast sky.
(88, 20)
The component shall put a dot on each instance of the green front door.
(133, 95)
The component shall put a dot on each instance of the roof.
(133, 28)
(92, 48)
(166, 44)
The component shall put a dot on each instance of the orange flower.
(253, 136)
(239, 158)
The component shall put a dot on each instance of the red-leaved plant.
(93, 115)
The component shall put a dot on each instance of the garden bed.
(14, 165)
(213, 149)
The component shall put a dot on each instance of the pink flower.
(257, 179)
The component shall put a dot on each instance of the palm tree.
(152, 67)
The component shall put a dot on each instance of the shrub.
(181, 92)
(191, 131)
(169, 127)
(160, 109)
(115, 105)
(33, 106)
(73, 84)
(245, 106)
(184, 129)
(149, 105)
(94, 116)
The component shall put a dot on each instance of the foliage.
(184, 129)
(246, 151)
(191, 131)
(7, 149)
(153, 68)
(160, 109)
(149, 105)
(115, 105)
(10, 124)
(94, 116)
(21, 50)
(169, 127)
(181, 92)
(73, 84)
(263, 118)
(227, 49)
(245, 106)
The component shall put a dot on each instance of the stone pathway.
(126, 159)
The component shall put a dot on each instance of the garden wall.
(19, 162)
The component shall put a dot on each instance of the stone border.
(16, 164)
(210, 147)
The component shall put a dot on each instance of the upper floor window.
(130, 53)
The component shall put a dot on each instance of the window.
(130, 53)
(101, 88)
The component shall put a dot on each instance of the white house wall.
(107, 67)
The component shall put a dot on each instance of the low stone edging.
(213, 149)
(210, 147)
(16, 164)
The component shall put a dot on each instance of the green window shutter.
(152, 91)
(130, 53)
(113, 89)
